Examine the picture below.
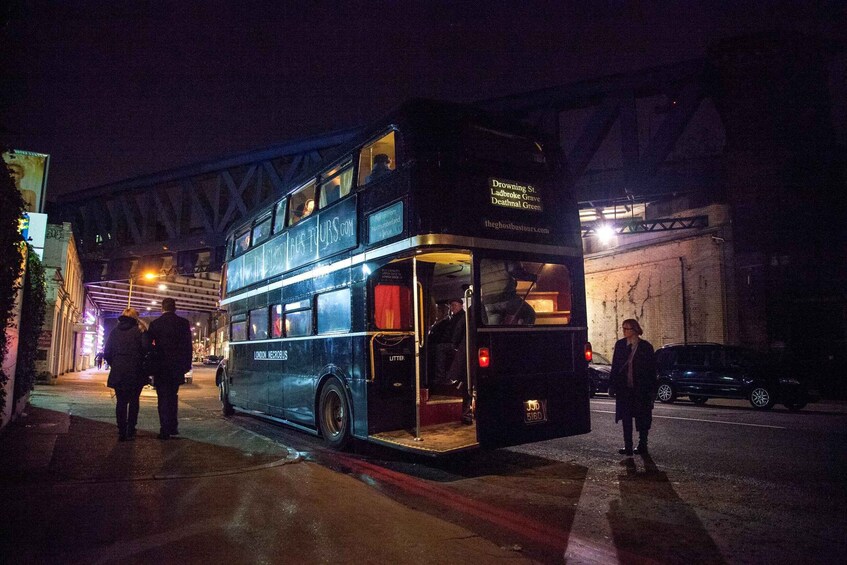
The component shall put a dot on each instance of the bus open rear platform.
(438, 439)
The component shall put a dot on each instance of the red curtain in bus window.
(392, 307)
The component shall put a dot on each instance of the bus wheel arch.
(333, 417)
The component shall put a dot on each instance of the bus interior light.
(484, 357)
(589, 354)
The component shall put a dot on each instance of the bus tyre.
(226, 407)
(334, 415)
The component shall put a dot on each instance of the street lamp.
(146, 276)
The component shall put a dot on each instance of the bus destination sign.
(515, 195)
(386, 223)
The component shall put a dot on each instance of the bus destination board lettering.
(271, 355)
(515, 195)
(386, 223)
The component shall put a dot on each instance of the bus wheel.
(334, 415)
(226, 407)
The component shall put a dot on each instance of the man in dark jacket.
(171, 337)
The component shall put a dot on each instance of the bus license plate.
(535, 411)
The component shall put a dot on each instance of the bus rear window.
(519, 293)
(492, 145)
(392, 307)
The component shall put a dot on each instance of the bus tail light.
(589, 355)
(484, 357)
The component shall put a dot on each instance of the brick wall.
(643, 278)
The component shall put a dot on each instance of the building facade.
(62, 344)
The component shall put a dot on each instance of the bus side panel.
(299, 381)
(554, 374)
(237, 370)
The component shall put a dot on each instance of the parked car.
(702, 371)
(212, 359)
(189, 377)
(598, 374)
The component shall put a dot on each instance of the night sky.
(114, 90)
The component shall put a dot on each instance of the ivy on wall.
(11, 210)
(32, 318)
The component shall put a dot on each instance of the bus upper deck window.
(377, 159)
(261, 231)
(302, 204)
(242, 244)
(336, 184)
(279, 217)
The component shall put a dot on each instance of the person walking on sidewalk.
(633, 376)
(124, 351)
(172, 351)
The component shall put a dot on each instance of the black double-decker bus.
(334, 292)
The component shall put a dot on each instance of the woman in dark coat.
(633, 377)
(124, 352)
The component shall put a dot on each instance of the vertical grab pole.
(468, 294)
(417, 314)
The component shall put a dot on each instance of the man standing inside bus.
(171, 337)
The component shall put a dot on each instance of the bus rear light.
(484, 357)
(589, 355)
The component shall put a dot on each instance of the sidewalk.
(71, 493)
(70, 435)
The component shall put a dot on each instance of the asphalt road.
(724, 484)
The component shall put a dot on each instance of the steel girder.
(610, 101)
(189, 208)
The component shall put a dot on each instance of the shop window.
(378, 159)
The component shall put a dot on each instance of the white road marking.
(701, 420)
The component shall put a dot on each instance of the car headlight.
(788, 381)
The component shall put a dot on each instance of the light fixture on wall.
(605, 233)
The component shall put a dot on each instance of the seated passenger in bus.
(381, 167)
(304, 210)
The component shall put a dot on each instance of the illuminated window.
(276, 321)
(241, 244)
(302, 204)
(392, 307)
(259, 323)
(336, 184)
(516, 293)
(377, 160)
